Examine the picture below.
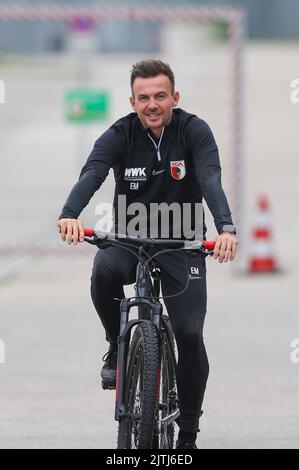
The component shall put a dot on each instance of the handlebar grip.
(209, 245)
(88, 232)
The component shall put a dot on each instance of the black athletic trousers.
(115, 267)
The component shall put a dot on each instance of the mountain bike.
(146, 404)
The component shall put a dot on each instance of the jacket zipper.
(157, 147)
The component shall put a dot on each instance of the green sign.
(84, 105)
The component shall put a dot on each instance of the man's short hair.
(151, 68)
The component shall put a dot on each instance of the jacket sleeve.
(105, 154)
(205, 158)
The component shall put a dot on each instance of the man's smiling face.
(153, 100)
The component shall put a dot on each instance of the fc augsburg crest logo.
(178, 169)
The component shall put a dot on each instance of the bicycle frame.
(149, 309)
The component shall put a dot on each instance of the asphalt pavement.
(50, 391)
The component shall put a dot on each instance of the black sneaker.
(185, 444)
(108, 372)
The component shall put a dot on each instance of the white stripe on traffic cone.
(262, 259)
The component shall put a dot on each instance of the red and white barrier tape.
(45, 250)
(117, 12)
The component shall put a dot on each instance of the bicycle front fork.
(122, 357)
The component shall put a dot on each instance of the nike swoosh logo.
(157, 172)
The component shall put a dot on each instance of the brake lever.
(99, 242)
(202, 252)
(90, 240)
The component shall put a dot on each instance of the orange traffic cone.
(262, 258)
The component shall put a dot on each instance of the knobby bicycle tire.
(168, 389)
(141, 393)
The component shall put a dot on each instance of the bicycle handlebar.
(88, 232)
(99, 236)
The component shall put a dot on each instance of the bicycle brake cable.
(187, 284)
(188, 279)
(125, 245)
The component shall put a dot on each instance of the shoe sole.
(108, 386)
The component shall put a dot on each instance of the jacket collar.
(169, 127)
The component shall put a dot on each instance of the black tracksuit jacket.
(183, 168)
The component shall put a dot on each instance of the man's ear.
(132, 101)
(176, 98)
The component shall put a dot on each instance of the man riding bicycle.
(159, 155)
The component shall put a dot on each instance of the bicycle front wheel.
(168, 387)
(141, 393)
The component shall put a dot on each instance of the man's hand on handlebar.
(225, 247)
(71, 230)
